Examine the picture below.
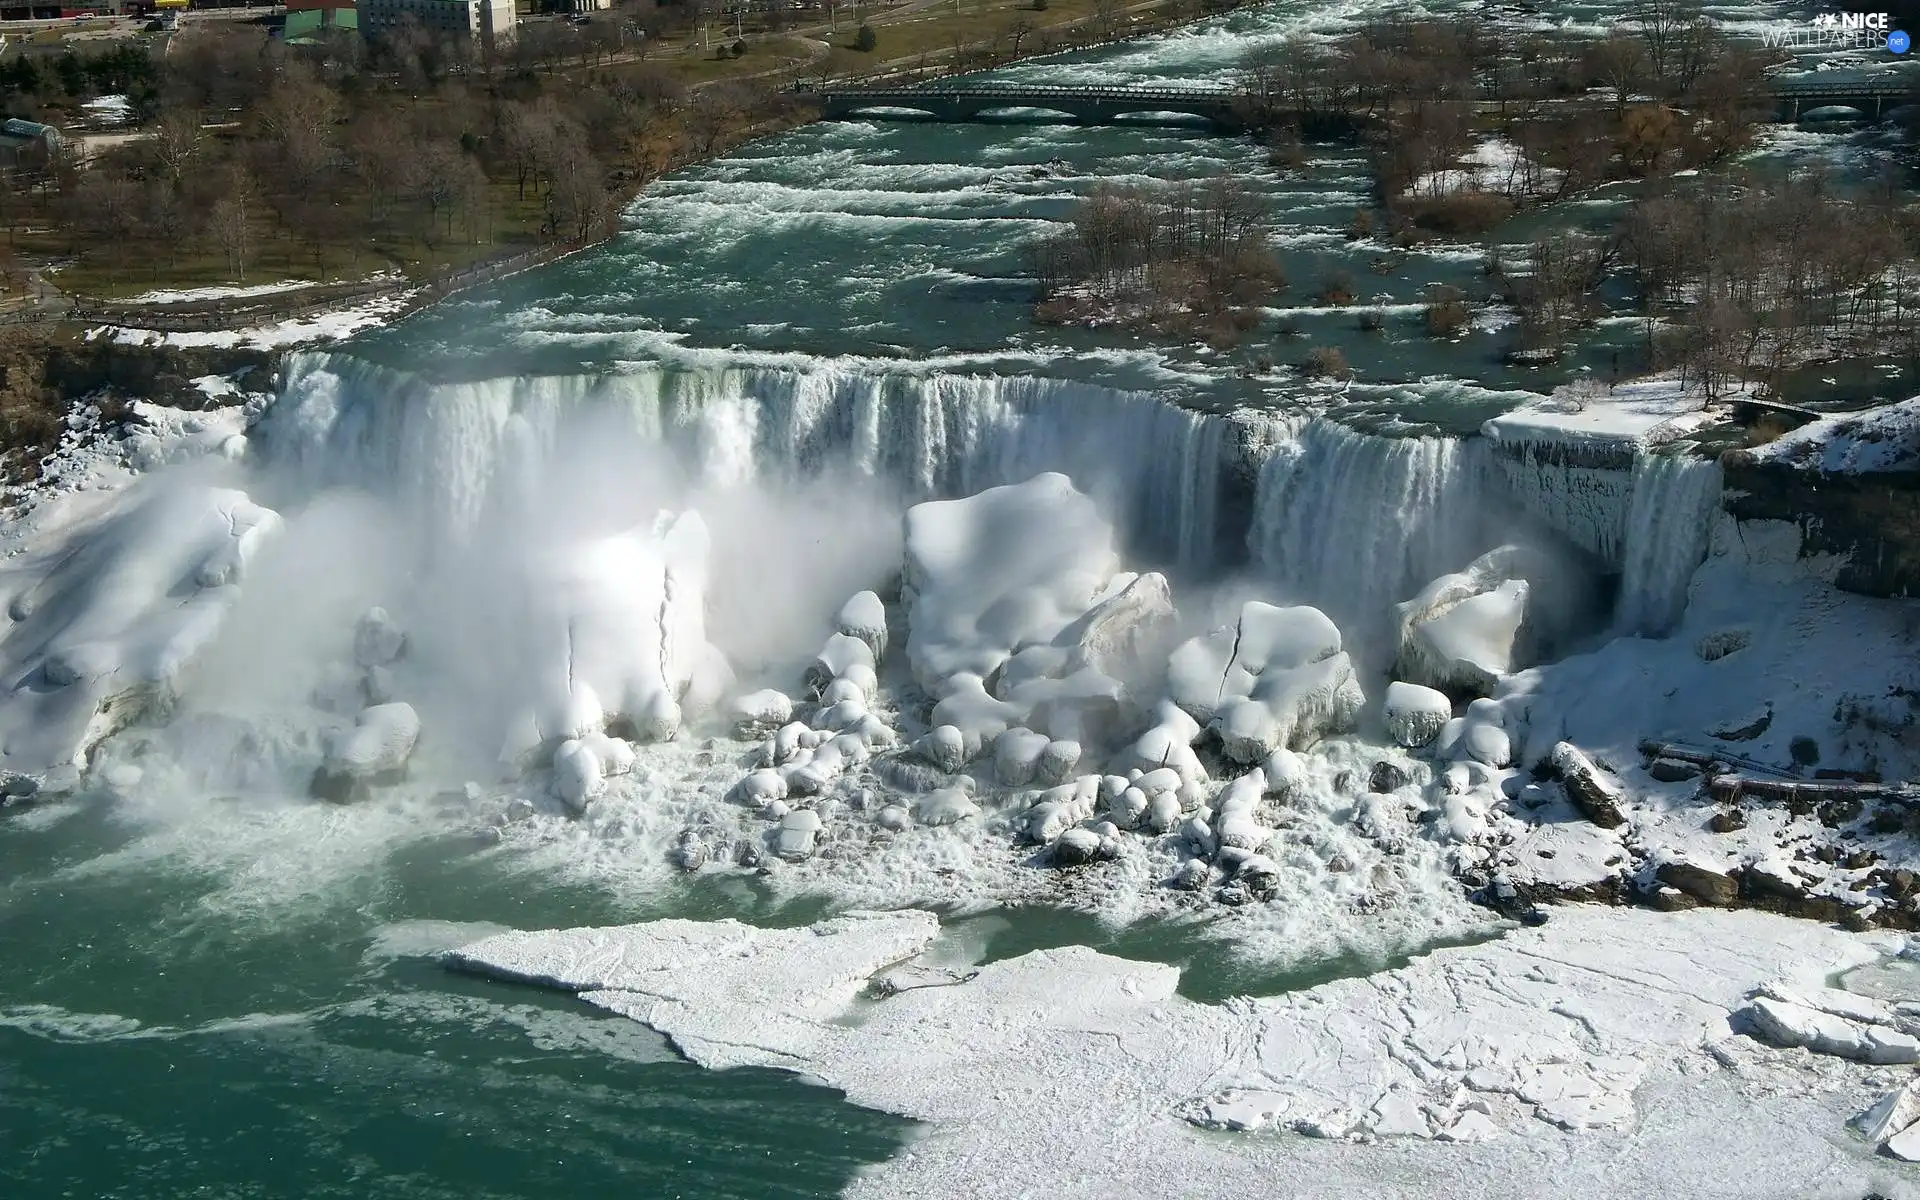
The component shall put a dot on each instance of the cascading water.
(1354, 523)
(1675, 498)
(1348, 521)
(453, 450)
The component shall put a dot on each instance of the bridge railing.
(995, 91)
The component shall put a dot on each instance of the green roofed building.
(310, 26)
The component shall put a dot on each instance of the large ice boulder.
(1480, 736)
(843, 656)
(1463, 630)
(1167, 743)
(1128, 622)
(863, 616)
(757, 712)
(1236, 821)
(374, 751)
(616, 630)
(109, 613)
(1276, 677)
(1009, 567)
(1415, 714)
(578, 777)
(1074, 687)
(377, 641)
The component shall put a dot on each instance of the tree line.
(343, 157)
(1183, 258)
(1667, 90)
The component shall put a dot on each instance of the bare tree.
(178, 139)
(230, 224)
(1620, 63)
(1659, 23)
(109, 207)
(1018, 32)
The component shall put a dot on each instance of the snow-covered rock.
(1167, 743)
(759, 787)
(1479, 736)
(1461, 630)
(1127, 623)
(863, 616)
(615, 755)
(1060, 808)
(381, 740)
(1077, 847)
(842, 655)
(842, 691)
(374, 750)
(1277, 677)
(798, 832)
(1009, 567)
(945, 746)
(377, 641)
(966, 705)
(110, 613)
(1057, 761)
(1236, 822)
(1875, 440)
(946, 806)
(577, 777)
(756, 712)
(1016, 756)
(1415, 714)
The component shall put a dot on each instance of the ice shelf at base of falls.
(1073, 1073)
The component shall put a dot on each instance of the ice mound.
(1004, 569)
(1018, 617)
(1878, 439)
(104, 632)
(375, 750)
(617, 632)
(1415, 714)
(1461, 630)
(1276, 678)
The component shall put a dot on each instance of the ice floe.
(1600, 1021)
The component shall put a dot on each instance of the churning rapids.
(766, 564)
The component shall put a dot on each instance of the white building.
(489, 20)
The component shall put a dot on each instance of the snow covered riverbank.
(1596, 1055)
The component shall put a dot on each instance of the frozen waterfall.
(1347, 521)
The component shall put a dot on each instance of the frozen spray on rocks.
(899, 628)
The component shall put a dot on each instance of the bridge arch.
(889, 111)
(1000, 112)
(1163, 116)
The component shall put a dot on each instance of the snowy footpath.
(1600, 1054)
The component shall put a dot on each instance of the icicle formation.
(1675, 498)
(458, 450)
(1351, 522)
(1355, 523)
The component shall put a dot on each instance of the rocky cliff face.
(1870, 518)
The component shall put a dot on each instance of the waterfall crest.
(1347, 521)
